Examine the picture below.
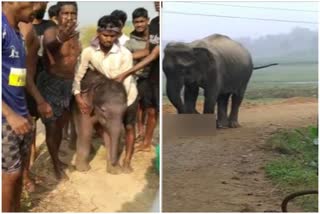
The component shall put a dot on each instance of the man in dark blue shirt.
(16, 122)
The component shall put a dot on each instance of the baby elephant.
(108, 100)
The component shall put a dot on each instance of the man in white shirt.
(111, 59)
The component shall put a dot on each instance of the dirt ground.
(95, 190)
(226, 172)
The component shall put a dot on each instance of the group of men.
(41, 73)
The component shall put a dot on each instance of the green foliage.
(284, 81)
(297, 167)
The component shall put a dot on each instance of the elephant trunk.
(173, 91)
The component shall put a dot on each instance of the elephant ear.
(204, 57)
(186, 59)
(181, 53)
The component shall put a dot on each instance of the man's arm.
(19, 124)
(142, 53)
(51, 41)
(147, 60)
(54, 37)
(33, 44)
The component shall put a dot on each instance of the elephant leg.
(222, 121)
(210, 99)
(84, 129)
(191, 93)
(73, 135)
(233, 119)
(111, 140)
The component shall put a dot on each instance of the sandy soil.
(226, 172)
(95, 190)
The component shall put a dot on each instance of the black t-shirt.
(154, 39)
(43, 26)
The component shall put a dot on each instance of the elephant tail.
(264, 66)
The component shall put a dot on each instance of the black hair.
(140, 12)
(53, 11)
(121, 15)
(111, 21)
(60, 4)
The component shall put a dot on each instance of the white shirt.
(115, 62)
(122, 39)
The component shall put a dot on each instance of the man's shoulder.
(155, 21)
(88, 50)
(124, 50)
(125, 53)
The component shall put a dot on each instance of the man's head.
(67, 12)
(157, 6)
(20, 11)
(53, 12)
(40, 9)
(121, 15)
(140, 19)
(108, 30)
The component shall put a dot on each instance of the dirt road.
(226, 172)
(95, 190)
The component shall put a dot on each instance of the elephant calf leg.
(113, 166)
(83, 150)
(84, 128)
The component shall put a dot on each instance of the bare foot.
(114, 170)
(142, 148)
(29, 185)
(61, 175)
(127, 169)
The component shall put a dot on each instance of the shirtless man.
(61, 51)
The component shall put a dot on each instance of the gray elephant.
(219, 65)
(109, 101)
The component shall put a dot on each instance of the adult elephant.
(219, 65)
(109, 102)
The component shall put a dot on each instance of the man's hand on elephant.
(45, 110)
(82, 104)
(120, 78)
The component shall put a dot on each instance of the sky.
(190, 27)
(90, 12)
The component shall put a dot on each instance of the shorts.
(148, 92)
(131, 113)
(15, 148)
(57, 92)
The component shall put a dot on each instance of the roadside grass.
(297, 166)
